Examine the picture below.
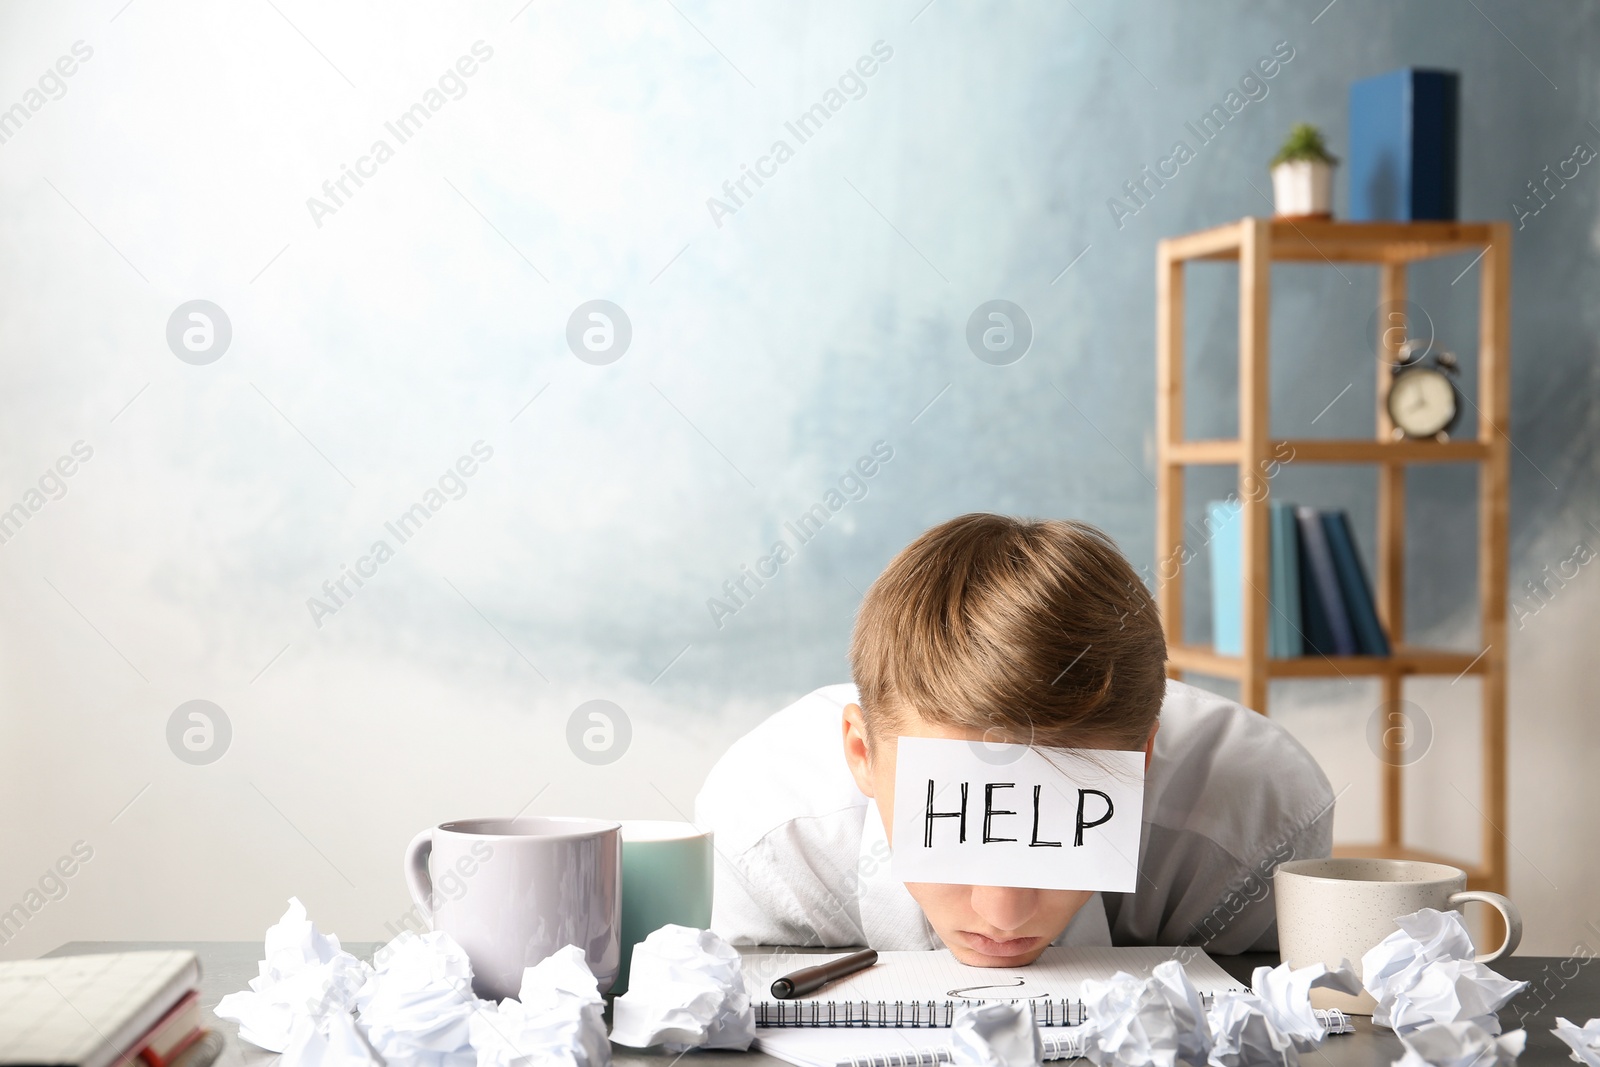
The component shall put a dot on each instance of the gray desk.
(1566, 987)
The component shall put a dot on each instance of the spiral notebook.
(925, 989)
(880, 1017)
(812, 1047)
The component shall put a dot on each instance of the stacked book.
(123, 1009)
(1322, 603)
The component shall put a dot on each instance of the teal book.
(1226, 530)
(1353, 584)
(1285, 629)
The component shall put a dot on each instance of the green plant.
(1304, 143)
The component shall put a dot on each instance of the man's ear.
(1150, 743)
(857, 750)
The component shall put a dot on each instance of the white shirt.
(801, 857)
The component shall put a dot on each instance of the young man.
(992, 629)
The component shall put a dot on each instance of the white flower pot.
(1303, 187)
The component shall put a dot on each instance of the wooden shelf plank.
(1218, 242)
(1204, 452)
(1406, 660)
(1327, 240)
(1313, 450)
(1204, 660)
(1375, 242)
(1332, 450)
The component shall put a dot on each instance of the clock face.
(1422, 402)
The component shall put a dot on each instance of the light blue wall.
(769, 352)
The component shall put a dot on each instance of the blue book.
(1327, 622)
(1370, 638)
(1226, 530)
(1284, 633)
(1404, 129)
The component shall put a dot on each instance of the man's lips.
(988, 946)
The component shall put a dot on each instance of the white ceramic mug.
(512, 891)
(1335, 909)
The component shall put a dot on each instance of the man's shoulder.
(1232, 774)
(790, 766)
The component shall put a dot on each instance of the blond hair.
(1035, 631)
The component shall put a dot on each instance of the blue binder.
(1226, 529)
(1404, 129)
(1225, 525)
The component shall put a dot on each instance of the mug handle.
(420, 881)
(1508, 914)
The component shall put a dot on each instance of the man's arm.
(789, 888)
(786, 818)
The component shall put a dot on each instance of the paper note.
(972, 813)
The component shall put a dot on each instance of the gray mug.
(513, 891)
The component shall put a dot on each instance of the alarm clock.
(1423, 399)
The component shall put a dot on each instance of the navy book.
(1370, 638)
(1327, 624)
(1404, 131)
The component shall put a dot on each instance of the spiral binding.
(898, 1013)
(918, 1014)
(1066, 1047)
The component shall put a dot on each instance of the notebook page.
(928, 989)
(85, 1009)
(824, 1047)
(939, 976)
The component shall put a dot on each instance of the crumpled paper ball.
(1243, 1036)
(1583, 1040)
(1285, 993)
(1274, 1022)
(416, 1009)
(305, 976)
(684, 991)
(1423, 973)
(1459, 1044)
(998, 1033)
(417, 1003)
(1453, 991)
(556, 1019)
(1146, 1021)
(335, 1043)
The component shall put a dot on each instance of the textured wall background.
(774, 342)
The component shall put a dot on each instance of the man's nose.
(1004, 908)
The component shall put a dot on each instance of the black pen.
(810, 979)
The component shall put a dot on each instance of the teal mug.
(666, 878)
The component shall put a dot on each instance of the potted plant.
(1302, 175)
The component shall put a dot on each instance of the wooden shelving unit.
(1256, 244)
